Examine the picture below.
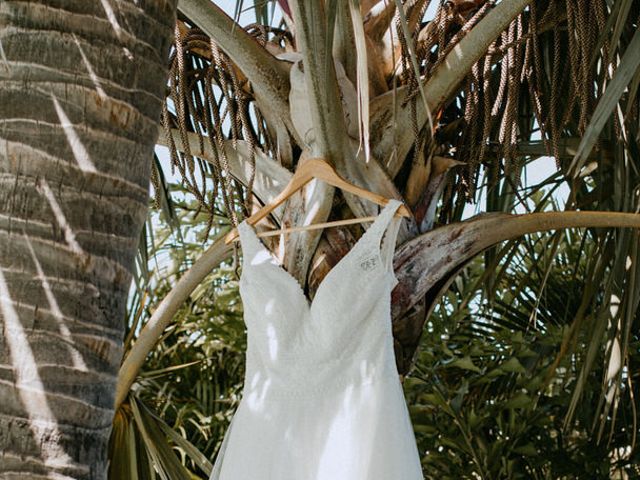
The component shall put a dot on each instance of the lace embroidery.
(378, 227)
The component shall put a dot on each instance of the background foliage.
(482, 396)
(528, 365)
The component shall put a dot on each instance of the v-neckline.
(300, 289)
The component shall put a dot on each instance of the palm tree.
(81, 89)
(434, 112)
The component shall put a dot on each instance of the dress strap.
(389, 243)
(247, 241)
(250, 244)
(379, 228)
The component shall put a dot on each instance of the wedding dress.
(322, 399)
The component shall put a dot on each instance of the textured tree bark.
(81, 88)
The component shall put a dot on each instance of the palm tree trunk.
(81, 88)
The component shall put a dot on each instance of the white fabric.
(322, 399)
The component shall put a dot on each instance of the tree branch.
(344, 43)
(327, 137)
(424, 261)
(163, 315)
(269, 76)
(426, 265)
(270, 177)
(323, 93)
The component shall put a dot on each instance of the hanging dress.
(322, 398)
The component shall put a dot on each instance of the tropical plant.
(81, 89)
(190, 384)
(489, 394)
(422, 109)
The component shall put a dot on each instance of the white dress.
(322, 399)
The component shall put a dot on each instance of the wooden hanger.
(320, 169)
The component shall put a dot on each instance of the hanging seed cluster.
(519, 88)
(209, 100)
